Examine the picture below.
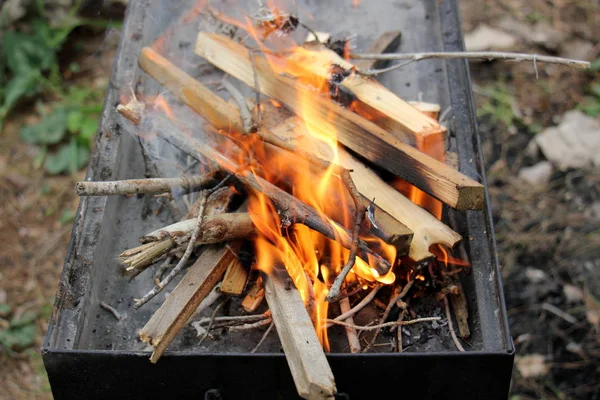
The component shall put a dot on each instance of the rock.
(574, 143)
(535, 275)
(578, 49)
(537, 175)
(532, 150)
(572, 293)
(485, 38)
(540, 34)
(532, 365)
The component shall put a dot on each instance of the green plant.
(499, 105)
(68, 129)
(17, 333)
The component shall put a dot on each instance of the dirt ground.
(548, 236)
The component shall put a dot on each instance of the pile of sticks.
(218, 224)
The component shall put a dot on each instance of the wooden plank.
(385, 43)
(179, 306)
(387, 110)
(254, 297)
(306, 359)
(426, 228)
(353, 131)
(430, 109)
(235, 278)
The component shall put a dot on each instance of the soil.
(548, 237)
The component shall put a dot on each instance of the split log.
(235, 278)
(223, 115)
(427, 229)
(306, 359)
(460, 308)
(146, 186)
(384, 43)
(180, 305)
(353, 131)
(255, 296)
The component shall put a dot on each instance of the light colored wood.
(385, 43)
(254, 297)
(353, 341)
(306, 359)
(390, 112)
(427, 229)
(430, 109)
(197, 283)
(235, 278)
(353, 131)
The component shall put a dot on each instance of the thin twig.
(237, 318)
(380, 326)
(111, 309)
(559, 313)
(157, 276)
(471, 55)
(451, 326)
(263, 338)
(253, 325)
(399, 332)
(212, 318)
(258, 115)
(350, 332)
(368, 298)
(248, 125)
(389, 307)
(181, 185)
(188, 251)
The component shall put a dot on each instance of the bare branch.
(387, 324)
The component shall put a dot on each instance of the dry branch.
(350, 332)
(306, 359)
(355, 132)
(146, 186)
(471, 55)
(225, 116)
(179, 306)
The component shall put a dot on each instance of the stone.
(485, 38)
(574, 143)
(536, 175)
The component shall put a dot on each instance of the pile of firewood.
(370, 122)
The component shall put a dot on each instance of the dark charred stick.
(145, 186)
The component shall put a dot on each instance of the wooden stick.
(451, 326)
(197, 283)
(306, 359)
(430, 109)
(427, 229)
(355, 132)
(385, 325)
(460, 308)
(235, 278)
(350, 332)
(225, 116)
(384, 43)
(471, 55)
(146, 186)
(393, 114)
(255, 296)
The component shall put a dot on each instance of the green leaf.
(21, 85)
(89, 127)
(50, 130)
(18, 338)
(24, 53)
(595, 89)
(5, 310)
(74, 120)
(27, 318)
(83, 156)
(595, 66)
(58, 162)
(67, 215)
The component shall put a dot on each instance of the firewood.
(427, 229)
(353, 131)
(225, 116)
(306, 359)
(384, 43)
(461, 310)
(235, 278)
(430, 109)
(180, 305)
(255, 296)
(146, 186)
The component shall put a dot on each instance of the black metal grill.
(89, 355)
